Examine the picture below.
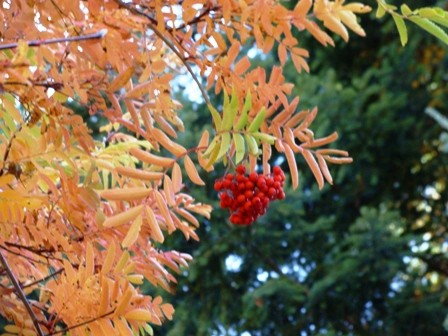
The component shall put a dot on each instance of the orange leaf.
(282, 54)
(192, 171)
(312, 163)
(324, 168)
(121, 80)
(156, 233)
(292, 165)
(151, 158)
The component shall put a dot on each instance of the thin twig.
(81, 323)
(22, 256)
(43, 279)
(21, 295)
(36, 43)
(168, 43)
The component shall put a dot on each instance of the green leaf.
(252, 144)
(437, 15)
(264, 137)
(225, 145)
(428, 12)
(230, 111)
(405, 10)
(431, 28)
(239, 147)
(258, 120)
(212, 146)
(216, 117)
(380, 11)
(440, 21)
(242, 121)
(148, 329)
(401, 26)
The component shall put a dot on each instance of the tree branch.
(169, 43)
(21, 294)
(43, 279)
(36, 43)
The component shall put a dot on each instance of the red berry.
(249, 185)
(241, 178)
(235, 219)
(229, 176)
(277, 170)
(249, 194)
(281, 195)
(253, 177)
(265, 201)
(218, 185)
(272, 192)
(261, 182)
(241, 169)
(241, 199)
(226, 184)
(256, 200)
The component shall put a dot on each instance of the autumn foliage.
(83, 221)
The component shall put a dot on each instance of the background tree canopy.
(364, 257)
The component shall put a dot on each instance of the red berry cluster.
(248, 196)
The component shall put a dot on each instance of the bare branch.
(21, 295)
(36, 43)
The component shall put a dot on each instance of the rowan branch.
(21, 295)
(169, 43)
(37, 43)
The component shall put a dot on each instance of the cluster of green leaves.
(231, 127)
(428, 18)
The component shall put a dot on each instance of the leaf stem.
(21, 294)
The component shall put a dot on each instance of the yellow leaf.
(122, 261)
(105, 297)
(109, 260)
(139, 315)
(133, 233)
(225, 145)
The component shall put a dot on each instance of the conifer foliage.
(83, 220)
